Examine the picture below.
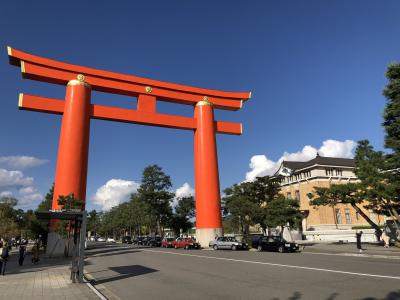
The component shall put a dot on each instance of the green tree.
(8, 225)
(241, 206)
(350, 193)
(391, 124)
(250, 203)
(46, 204)
(281, 211)
(376, 187)
(184, 211)
(93, 222)
(70, 202)
(154, 190)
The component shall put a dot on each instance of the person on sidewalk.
(22, 251)
(4, 257)
(35, 253)
(1, 251)
(358, 238)
(385, 239)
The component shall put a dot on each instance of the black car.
(154, 241)
(138, 240)
(127, 240)
(274, 243)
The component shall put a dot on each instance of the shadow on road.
(125, 272)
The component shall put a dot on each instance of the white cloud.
(334, 148)
(114, 192)
(6, 194)
(21, 162)
(14, 179)
(16, 184)
(27, 190)
(184, 191)
(260, 165)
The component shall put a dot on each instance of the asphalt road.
(157, 273)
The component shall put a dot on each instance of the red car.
(186, 243)
(167, 242)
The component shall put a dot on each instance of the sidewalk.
(350, 248)
(50, 279)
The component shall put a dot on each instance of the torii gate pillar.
(208, 202)
(71, 171)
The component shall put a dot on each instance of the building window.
(339, 173)
(329, 172)
(357, 215)
(289, 195)
(347, 215)
(297, 196)
(338, 216)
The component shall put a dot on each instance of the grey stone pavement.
(369, 249)
(50, 279)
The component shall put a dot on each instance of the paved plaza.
(50, 279)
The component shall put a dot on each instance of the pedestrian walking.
(35, 253)
(1, 258)
(22, 252)
(4, 253)
(358, 238)
(385, 239)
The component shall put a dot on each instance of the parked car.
(274, 243)
(110, 240)
(100, 239)
(127, 240)
(138, 240)
(154, 241)
(167, 242)
(186, 243)
(145, 240)
(223, 242)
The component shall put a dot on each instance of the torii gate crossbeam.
(76, 111)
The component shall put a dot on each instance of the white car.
(100, 239)
(110, 240)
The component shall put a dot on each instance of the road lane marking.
(354, 255)
(276, 265)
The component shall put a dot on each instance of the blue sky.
(315, 69)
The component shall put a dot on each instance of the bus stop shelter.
(79, 218)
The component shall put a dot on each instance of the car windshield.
(278, 239)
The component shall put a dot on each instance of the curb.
(100, 290)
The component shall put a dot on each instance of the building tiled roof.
(319, 160)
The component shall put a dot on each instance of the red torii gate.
(71, 171)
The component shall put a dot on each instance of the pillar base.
(205, 235)
(58, 246)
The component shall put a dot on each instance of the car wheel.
(281, 249)
(215, 247)
(233, 247)
(259, 248)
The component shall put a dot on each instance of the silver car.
(228, 243)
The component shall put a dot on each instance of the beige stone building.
(301, 178)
